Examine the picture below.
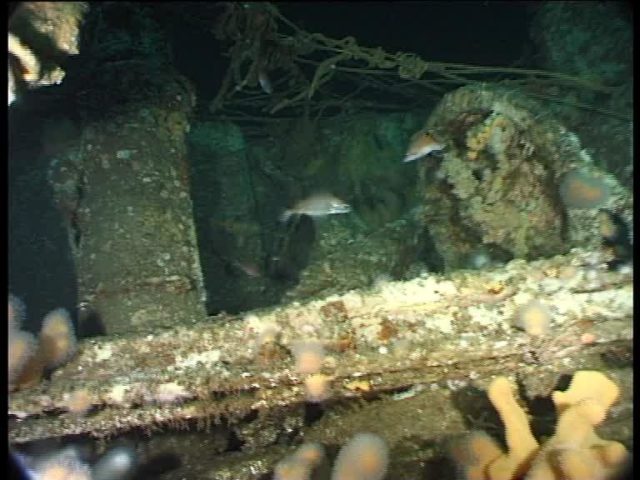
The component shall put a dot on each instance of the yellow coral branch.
(521, 443)
(587, 384)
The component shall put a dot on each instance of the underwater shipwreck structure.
(414, 356)
(528, 268)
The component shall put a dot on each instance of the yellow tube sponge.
(474, 453)
(579, 464)
(610, 453)
(575, 425)
(575, 451)
(521, 443)
(587, 384)
(567, 451)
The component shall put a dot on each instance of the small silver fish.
(12, 86)
(265, 82)
(250, 269)
(422, 143)
(317, 205)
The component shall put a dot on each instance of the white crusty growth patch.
(103, 352)
(205, 358)
(440, 322)
(170, 392)
(418, 290)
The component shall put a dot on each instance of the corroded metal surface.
(434, 330)
(127, 196)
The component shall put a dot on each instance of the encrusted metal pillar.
(130, 214)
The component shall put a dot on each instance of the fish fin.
(410, 158)
(286, 215)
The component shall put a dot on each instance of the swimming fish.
(12, 87)
(317, 205)
(250, 269)
(265, 82)
(422, 143)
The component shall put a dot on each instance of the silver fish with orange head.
(317, 205)
(422, 143)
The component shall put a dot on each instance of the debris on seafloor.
(418, 344)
